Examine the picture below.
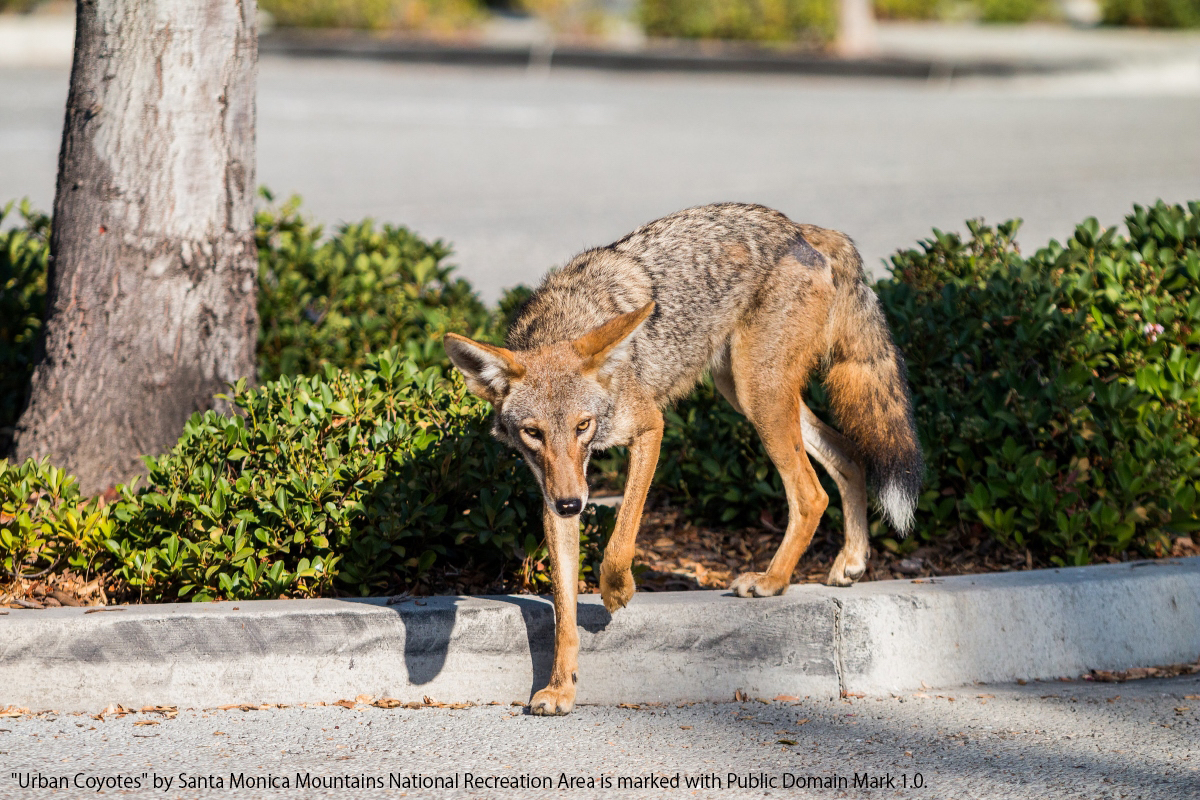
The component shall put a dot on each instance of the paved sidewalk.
(1038, 741)
(875, 638)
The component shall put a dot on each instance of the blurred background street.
(519, 168)
(520, 171)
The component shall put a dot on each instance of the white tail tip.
(898, 506)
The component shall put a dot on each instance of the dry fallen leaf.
(632, 706)
(787, 698)
(65, 599)
(345, 703)
(160, 710)
(803, 721)
(146, 722)
(386, 702)
(365, 699)
(739, 696)
(786, 741)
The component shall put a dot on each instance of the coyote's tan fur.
(621, 331)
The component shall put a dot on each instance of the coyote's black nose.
(569, 507)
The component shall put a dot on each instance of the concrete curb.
(879, 637)
(684, 57)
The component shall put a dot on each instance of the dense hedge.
(24, 255)
(762, 20)
(335, 300)
(1152, 13)
(374, 14)
(816, 20)
(377, 457)
(1055, 395)
(348, 482)
(44, 523)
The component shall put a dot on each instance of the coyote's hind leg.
(839, 457)
(770, 398)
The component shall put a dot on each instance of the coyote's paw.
(616, 588)
(757, 584)
(846, 570)
(553, 701)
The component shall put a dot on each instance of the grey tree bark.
(153, 277)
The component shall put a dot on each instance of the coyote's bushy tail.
(868, 388)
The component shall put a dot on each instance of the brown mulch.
(66, 588)
(676, 555)
(672, 555)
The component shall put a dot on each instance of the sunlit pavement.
(1048, 739)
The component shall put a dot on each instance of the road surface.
(520, 170)
(1057, 739)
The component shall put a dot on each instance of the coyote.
(621, 331)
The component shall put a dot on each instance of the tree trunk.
(856, 29)
(153, 276)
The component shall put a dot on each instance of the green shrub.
(45, 525)
(337, 300)
(344, 483)
(909, 9)
(1054, 416)
(762, 20)
(24, 256)
(1053, 411)
(321, 300)
(374, 14)
(1055, 394)
(1152, 13)
(1014, 10)
(354, 480)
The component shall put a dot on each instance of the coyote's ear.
(489, 370)
(607, 346)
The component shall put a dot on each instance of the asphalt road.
(1134, 740)
(521, 170)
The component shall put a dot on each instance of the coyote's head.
(557, 403)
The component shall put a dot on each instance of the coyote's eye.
(583, 426)
(532, 433)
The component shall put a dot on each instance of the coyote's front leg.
(562, 538)
(616, 574)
